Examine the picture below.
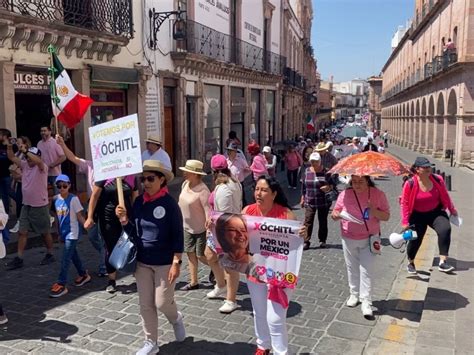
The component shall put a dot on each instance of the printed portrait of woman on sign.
(232, 236)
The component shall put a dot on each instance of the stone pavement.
(446, 314)
(89, 320)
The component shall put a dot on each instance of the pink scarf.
(147, 198)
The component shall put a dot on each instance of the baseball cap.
(314, 157)
(218, 162)
(267, 149)
(232, 146)
(422, 162)
(63, 178)
(35, 151)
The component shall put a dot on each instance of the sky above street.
(351, 38)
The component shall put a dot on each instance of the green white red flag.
(69, 106)
(310, 124)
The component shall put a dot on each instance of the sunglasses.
(62, 186)
(149, 178)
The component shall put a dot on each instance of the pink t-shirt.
(293, 160)
(427, 201)
(50, 152)
(86, 167)
(238, 167)
(34, 185)
(347, 201)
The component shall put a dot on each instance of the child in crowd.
(69, 212)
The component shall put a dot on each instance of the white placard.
(115, 148)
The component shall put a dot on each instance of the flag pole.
(54, 96)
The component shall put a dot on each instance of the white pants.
(269, 319)
(360, 267)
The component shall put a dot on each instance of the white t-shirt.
(159, 155)
(68, 223)
(228, 197)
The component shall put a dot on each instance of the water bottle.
(410, 234)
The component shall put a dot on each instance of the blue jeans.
(70, 254)
(98, 245)
(97, 242)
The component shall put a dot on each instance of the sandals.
(189, 287)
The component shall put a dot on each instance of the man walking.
(52, 155)
(35, 211)
(5, 179)
(154, 151)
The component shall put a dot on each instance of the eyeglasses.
(149, 178)
(62, 186)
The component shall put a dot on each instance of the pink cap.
(218, 162)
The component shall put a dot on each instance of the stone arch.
(431, 106)
(412, 111)
(452, 103)
(440, 105)
(423, 107)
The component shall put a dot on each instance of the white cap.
(315, 156)
(267, 149)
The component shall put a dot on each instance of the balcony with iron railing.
(438, 65)
(206, 41)
(112, 17)
(420, 18)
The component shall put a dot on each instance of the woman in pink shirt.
(368, 204)
(424, 202)
(293, 162)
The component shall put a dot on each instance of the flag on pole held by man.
(69, 106)
(310, 124)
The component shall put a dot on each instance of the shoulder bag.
(124, 254)
(375, 242)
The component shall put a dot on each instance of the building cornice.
(202, 66)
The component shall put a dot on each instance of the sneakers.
(48, 259)
(322, 245)
(411, 268)
(352, 301)
(228, 307)
(261, 351)
(15, 228)
(16, 263)
(445, 267)
(149, 347)
(3, 320)
(111, 287)
(178, 327)
(366, 308)
(102, 274)
(58, 290)
(189, 287)
(82, 280)
(217, 292)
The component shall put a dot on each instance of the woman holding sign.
(270, 314)
(365, 202)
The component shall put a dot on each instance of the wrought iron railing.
(206, 41)
(109, 16)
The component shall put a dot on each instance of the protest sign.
(115, 147)
(266, 249)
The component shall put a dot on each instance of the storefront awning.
(102, 74)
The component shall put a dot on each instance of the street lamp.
(157, 19)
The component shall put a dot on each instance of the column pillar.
(449, 133)
(438, 126)
(7, 97)
(410, 132)
(405, 131)
(226, 101)
(429, 126)
(421, 133)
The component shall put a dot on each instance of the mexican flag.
(69, 106)
(310, 124)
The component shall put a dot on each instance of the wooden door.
(169, 141)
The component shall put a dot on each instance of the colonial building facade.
(427, 99)
(243, 66)
(98, 42)
(375, 109)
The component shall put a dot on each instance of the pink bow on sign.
(277, 294)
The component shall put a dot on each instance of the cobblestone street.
(89, 320)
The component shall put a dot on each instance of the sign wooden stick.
(120, 192)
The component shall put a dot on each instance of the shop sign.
(26, 81)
